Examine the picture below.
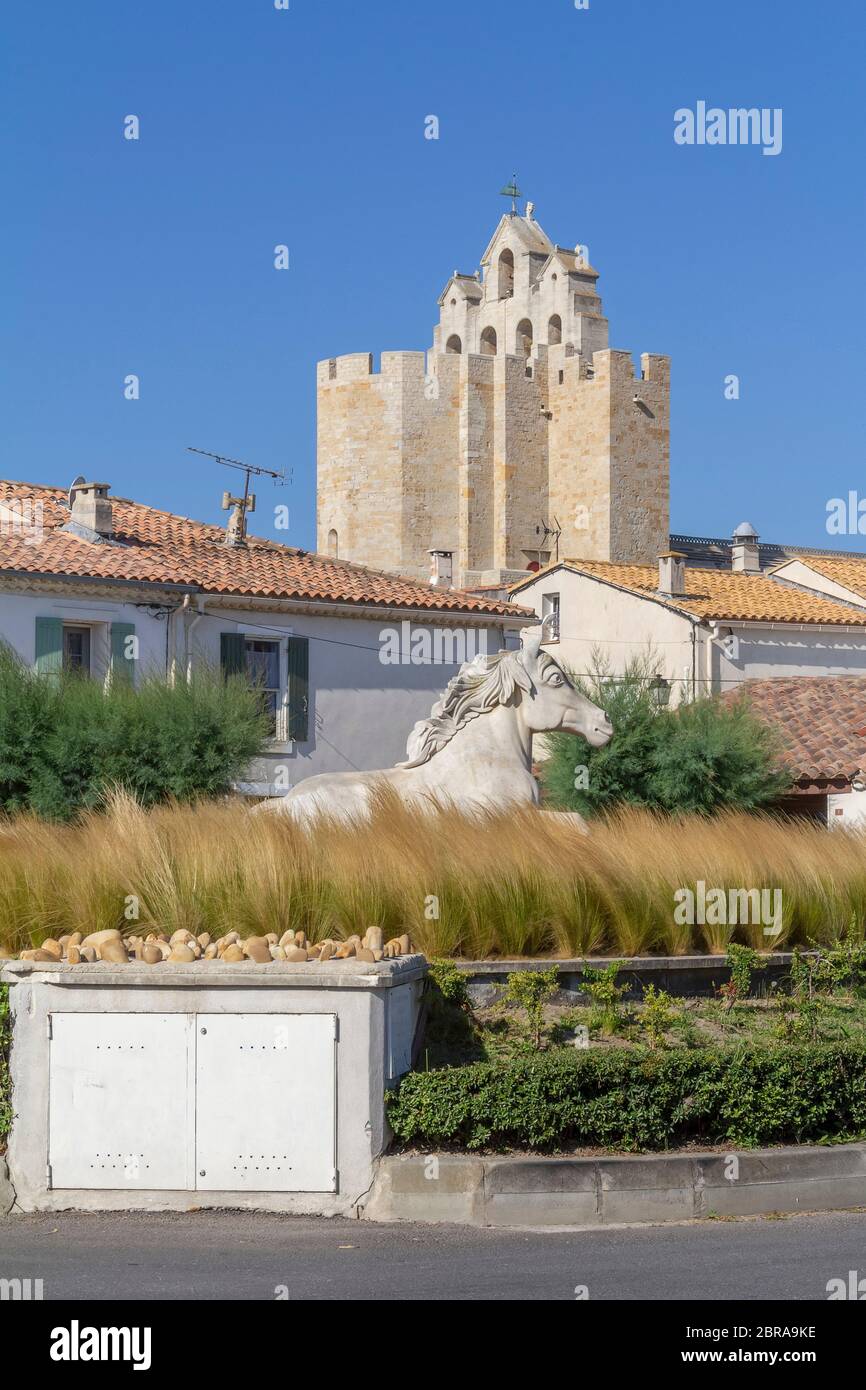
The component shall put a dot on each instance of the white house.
(348, 658)
(707, 629)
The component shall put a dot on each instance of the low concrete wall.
(681, 976)
(614, 1191)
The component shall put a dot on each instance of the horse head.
(552, 704)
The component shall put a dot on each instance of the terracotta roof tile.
(819, 720)
(720, 595)
(846, 571)
(159, 547)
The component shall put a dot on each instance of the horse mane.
(479, 686)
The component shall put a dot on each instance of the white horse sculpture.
(474, 752)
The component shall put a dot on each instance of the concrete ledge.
(615, 1191)
(204, 975)
(682, 976)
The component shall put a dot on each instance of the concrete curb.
(616, 1191)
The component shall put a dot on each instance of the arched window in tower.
(523, 338)
(333, 545)
(454, 344)
(488, 342)
(506, 274)
(554, 330)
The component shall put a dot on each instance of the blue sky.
(306, 127)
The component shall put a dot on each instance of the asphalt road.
(213, 1255)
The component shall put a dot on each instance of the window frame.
(281, 690)
(551, 607)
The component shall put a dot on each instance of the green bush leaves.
(65, 742)
(638, 1101)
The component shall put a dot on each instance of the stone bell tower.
(518, 419)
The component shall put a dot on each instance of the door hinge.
(336, 1018)
(335, 1177)
(48, 1028)
(48, 1181)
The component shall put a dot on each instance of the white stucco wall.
(783, 650)
(846, 809)
(19, 611)
(619, 625)
(361, 708)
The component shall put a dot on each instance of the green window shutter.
(233, 653)
(49, 646)
(299, 688)
(122, 664)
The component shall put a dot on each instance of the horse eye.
(555, 679)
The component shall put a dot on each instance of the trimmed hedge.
(638, 1100)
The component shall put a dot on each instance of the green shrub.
(530, 990)
(641, 1100)
(697, 758)
(657, 1016)
(605, 993)
(744, 961)
(65, 742)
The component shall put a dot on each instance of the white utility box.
(248, 1085)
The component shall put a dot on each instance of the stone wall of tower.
(387, 459)
(471, 453)
(610, 455)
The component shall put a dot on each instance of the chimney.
(745, 555)
(672, 573)
(441, 568)
(91, 508)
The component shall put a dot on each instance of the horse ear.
(531, 639)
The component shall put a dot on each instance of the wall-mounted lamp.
(661, 691)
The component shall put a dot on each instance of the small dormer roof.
(465, 285)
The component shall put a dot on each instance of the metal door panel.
(266, 1102)
(119, 1101)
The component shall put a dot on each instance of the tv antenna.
(546, 531)
(237, 526)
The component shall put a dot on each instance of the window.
(506, 274)
(554, 330)
(279, 668)
(488, 342)
(263, 669)
(523, 338)
(454, 344)
(333, 544)
(550, 611)
(76, 649)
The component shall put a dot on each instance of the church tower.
(519, 422)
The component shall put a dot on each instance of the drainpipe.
(189, 626)
(713, 638)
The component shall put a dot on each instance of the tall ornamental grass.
(515, 884)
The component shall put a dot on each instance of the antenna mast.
(546, 531)
(237, 526)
